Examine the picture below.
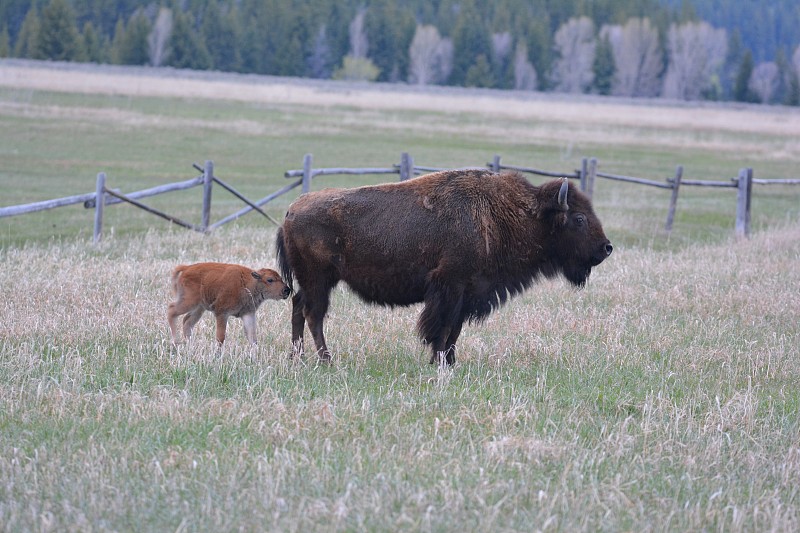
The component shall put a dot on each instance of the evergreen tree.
(27, 45)
(604, 67)
(479, 74)
(222, 36)
(390, 30)
(5, 46)
(470, 41)
(792, 96)
(741, 87)
(733, 61)
(287, 42)
(130, 41)
(58, 37)
(187, 48)
(93, 45)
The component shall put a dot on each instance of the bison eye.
(580, 219)
(270, 280)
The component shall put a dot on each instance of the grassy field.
(664, 396)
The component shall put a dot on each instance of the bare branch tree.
(575, 44)
(764, 81)
(501, 46)
(320, 58)
(525, 78)
(796, 60)
(358, 35)
(426, 56)
(159, 37)
(696, 51)
(637, 58)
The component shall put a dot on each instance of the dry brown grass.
(663, 396)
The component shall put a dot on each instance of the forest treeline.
(637, 48)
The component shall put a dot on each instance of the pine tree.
(792, 96)
(188, 50)
(604, 67)
(222, 36)
(470, 41)
(5, 47)
(741, 87)
(479, 74)
(58, 37)
(27, 45)
(93, 45)
(390, 30)
(130, 41)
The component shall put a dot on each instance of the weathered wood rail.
(406, 169)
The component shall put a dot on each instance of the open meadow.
(664, 396)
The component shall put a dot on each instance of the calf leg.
(176, 309)
(249, 321)
(222, 325)
(190, 320)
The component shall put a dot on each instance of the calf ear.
(256, 275)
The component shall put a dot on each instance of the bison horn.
(562, 194)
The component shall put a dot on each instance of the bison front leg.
(249, 321)
(441, 320)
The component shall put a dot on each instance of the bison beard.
(461, 241)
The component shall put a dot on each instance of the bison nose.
(609, 249)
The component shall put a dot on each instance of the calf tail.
(283, 261)
(174, 278)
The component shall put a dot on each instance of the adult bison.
(461, 241)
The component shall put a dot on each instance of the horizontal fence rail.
(406, 169)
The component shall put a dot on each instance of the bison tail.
(283, 261)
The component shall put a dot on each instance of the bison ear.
(256, 275)
(562, 195)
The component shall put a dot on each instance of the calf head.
(270, 284)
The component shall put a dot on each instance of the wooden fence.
(406, 169)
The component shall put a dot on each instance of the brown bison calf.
(225, 290)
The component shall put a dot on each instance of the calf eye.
(270, 280)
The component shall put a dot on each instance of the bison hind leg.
(298, 322)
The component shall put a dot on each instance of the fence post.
(307, 159)
(591, 176)
(406, 166)
(208, 181)
(495, 166)
(99, 203)
(744, 191)
(584, 172)
(673, 203)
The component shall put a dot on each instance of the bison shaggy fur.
(460, 241)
